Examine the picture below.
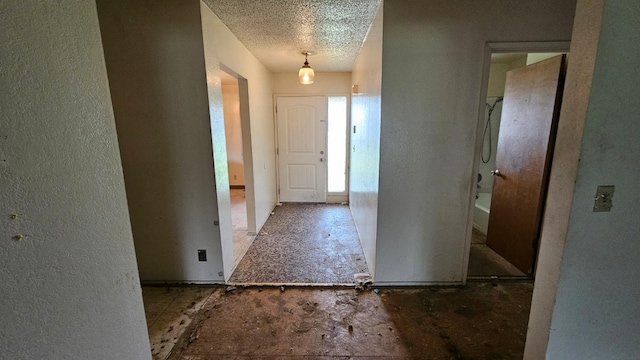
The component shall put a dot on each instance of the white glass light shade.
(306, 75)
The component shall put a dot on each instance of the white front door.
(302, 139)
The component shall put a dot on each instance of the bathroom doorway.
(509, 201)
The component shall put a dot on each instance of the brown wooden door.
(528, 125)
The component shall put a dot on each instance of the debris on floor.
(334, 322)
(362, 280)
(303, 243)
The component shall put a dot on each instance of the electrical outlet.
(202, 255)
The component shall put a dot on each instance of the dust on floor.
(169, 312)
(304, 243)
(477, 321)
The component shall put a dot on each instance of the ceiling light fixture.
(306, 72)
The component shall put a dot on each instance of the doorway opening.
(239, 161)
(310, 237)
(514, 161)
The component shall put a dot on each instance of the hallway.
(304, 244)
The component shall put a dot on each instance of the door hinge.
(277, 151)
(278, 191)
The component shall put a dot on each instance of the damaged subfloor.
(482, 320)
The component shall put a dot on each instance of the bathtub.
(481, 212)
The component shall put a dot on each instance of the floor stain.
(467, 322)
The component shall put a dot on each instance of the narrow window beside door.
(337, 145)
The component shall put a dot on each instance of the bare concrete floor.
(304, 243)
(478, 321)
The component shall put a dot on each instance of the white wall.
(433, 67)
(324, 84)
(70, 287)
(365, 142)
(596, 311)
(233, 133)
(156, 69)
(222, 47)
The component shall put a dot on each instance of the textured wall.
(564, 167)
(365, 142)
(596, 310)
(433, 66)
(156, 69)
(222, 48)
(70, 287)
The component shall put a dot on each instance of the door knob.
(495, 172)
(321, 152)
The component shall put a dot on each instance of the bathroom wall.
(489, 145)
(497, 78)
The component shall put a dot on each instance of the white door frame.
(493, 47)
(549, 253)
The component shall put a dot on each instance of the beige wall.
(70, 288)
(233, 133)
(365, 142)
(433, 60)
(222, 48)
(324, 84)
(156, 69)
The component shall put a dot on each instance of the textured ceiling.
(277, 31)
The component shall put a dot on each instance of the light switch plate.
(604, 198)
